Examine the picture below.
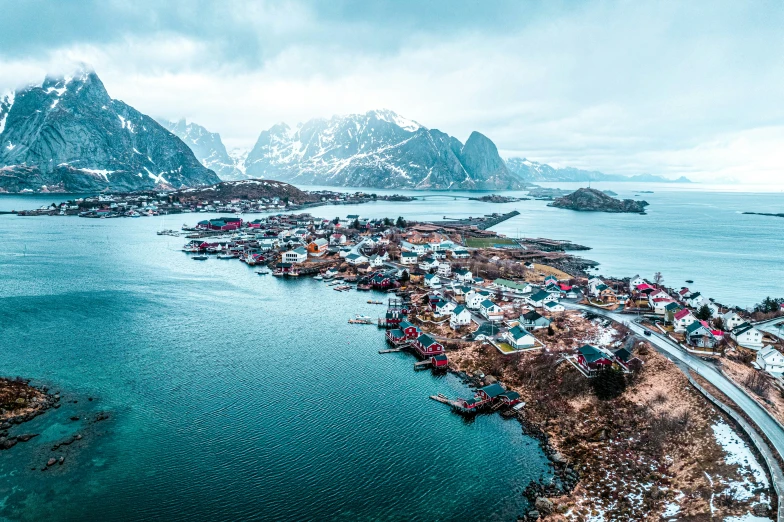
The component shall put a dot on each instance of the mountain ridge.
(68, 134)
(377, 149)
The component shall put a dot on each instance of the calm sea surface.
(231, 395)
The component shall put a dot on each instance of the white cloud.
(671, 89)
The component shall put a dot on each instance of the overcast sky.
(683, 88)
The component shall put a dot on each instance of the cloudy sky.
(682, 88)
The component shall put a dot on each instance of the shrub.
(608, 384)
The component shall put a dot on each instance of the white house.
(460, 316)
(376, 261)
(356, 259)
(490, 310)
(635, 281)
(696, 300)
(505, 285)
(408, 258)
(460, 254)
(464, 275)
(732, 320)
(554, 306)
(519, 338)
(444, 269)
(432, 281)
(747, 336)
(682, 319)
(444, 308)
(771, 360)
(405, 246)
(428, 264)
(298, 255)
(540, 298)
(474, 298)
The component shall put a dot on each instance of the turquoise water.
(230, 395)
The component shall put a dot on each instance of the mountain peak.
(68, 134)
(358, 150)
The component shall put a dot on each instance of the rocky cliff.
(67, 134)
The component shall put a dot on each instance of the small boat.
(319, 277)
(374, 302)
(360, 317)
(200, 257)
(226, 256)
(689, 281)
(263, 271)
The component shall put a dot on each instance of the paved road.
(765, 422)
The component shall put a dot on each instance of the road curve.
(764, 421)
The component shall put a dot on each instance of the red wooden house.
(396, 336)
(593, 358)
(439, 361)
(426, 346)
(412, 332)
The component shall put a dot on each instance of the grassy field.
(486, 242)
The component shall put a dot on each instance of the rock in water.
(593, 200)
(68, 135)
(378, 149)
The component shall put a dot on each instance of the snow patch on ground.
(748, 517)
(99, 172)
(738, 453)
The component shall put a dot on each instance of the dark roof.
(511, 395)
(486, 329)
(426, 340)
(493, 390)
(397, 333)
(591, 353)
(623, 354)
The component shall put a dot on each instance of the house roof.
(301, 251)
(552, 304)
(487, 303)
(623, 354)
(768, 353)
(683, 313)
(518, 332)
(493, 390)
(459, 309)
(406, 324)
(695, 327)
(397, 333)
(510, 284)
(743, 328)
(533, 316)
(541, 295)
(487, 329)
(426, 340)
(591, 353)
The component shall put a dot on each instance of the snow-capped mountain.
(529, 170)
(208, 149)
(67, 134)
(378, 149)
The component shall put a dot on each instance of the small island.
(592, 200)
(781, 214)
(497, 198)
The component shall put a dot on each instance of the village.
(490, 309)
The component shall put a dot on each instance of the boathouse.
(593, 358)
(427, 346)
(439, 361)
(412, 332)
(490, 392)
(396, 336)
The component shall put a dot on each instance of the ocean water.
(230, 395)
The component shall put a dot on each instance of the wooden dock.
(392, 350)
(421, 365)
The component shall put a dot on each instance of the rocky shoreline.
(19, 403)
(565, 476)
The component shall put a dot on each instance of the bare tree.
(658, 278)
